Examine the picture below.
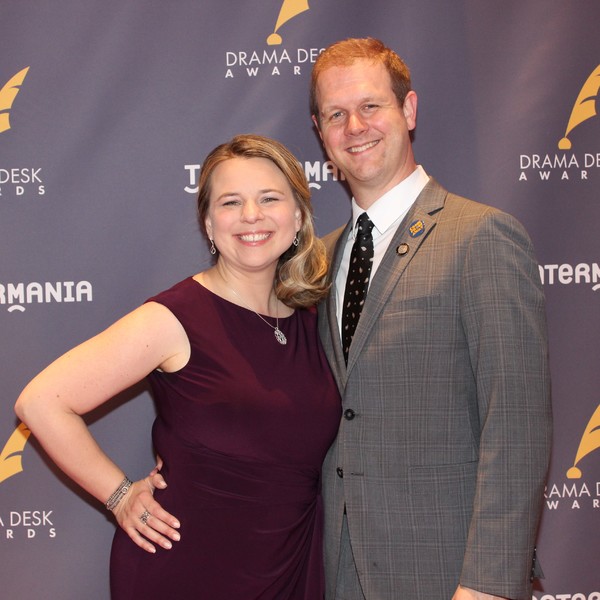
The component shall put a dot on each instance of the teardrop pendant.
(280, 337)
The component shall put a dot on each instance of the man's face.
(364, 130)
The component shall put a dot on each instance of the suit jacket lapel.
(425, 209)
(333, 344)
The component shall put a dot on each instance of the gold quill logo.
(7, 96)
(584, 108)
(10, 457)
(590, 441)
(289, 9)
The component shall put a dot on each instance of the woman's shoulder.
(180, 297)
(179, 289)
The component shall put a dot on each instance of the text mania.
(15, 295)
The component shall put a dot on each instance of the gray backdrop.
(107, 109)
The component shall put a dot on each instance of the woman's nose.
(251, 212)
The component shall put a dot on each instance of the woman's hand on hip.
(143, 518)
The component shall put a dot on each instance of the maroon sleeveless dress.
(242, 429)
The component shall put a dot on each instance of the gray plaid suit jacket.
(445, 441)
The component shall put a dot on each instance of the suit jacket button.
(340, 472)
(349, 414)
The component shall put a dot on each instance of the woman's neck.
(253, 291)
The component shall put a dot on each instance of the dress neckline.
(248, 310)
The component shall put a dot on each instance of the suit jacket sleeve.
(503, 315)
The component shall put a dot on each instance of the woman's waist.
(202, 471)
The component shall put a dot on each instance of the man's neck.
(366, 196)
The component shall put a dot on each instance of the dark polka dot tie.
(359, 272)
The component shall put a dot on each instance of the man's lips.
(362, 147)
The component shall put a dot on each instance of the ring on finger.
(144, 517)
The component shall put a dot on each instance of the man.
(433, 488)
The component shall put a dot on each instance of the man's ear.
(316, 122)
(409, 108)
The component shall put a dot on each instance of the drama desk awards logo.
(578, 492)
(272, 60)
(567, 164)
(19, 179)
(289, 9)
(11, 455)
(590, 441)
(584, 108)
(8, 93)
(22, 523)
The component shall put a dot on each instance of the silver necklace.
(279, 335)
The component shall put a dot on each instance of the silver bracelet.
(118, 494)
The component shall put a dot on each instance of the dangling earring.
(296, 241)
(213, 250)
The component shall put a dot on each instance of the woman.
(247, 406)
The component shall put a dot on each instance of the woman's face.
(253, 216)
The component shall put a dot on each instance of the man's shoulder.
(464, 214)
(459, 205)
(435, 197)
(456, 206)
(454, 202)
(468, 216)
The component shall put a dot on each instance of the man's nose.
(356, 124)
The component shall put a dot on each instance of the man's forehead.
(342, 82)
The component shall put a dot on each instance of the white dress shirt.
(386, 213)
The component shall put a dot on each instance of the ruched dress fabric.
(243, 430)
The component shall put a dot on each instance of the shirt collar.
(394, 204)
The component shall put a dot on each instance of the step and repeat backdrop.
(107, 109)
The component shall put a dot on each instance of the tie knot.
(364, 226)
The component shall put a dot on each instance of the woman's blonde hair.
(300, 278)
